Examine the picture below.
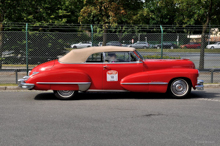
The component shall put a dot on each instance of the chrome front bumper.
(22, 84)
(200, 85)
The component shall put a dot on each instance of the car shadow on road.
(121, 95)
(203, 94)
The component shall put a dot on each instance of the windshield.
(142, 58)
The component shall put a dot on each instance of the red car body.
(139, 75)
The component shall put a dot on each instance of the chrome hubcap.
(179, 87)
(65, 93)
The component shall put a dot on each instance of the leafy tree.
(108, 13)
(156, 12)
(200, 12)
(38, 12)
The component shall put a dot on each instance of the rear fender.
(62, 80)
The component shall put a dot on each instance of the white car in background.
(214, 46)
(81, 45)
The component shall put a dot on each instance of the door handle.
(106, 67)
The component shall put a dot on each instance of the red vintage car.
(111, 68)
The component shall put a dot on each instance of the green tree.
(43, 11)
(156, 12)
(108, 13)
(200, 12)
(38, 12)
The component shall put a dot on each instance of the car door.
(114, 71)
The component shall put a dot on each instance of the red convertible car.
(111, 68)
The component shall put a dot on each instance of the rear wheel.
(65, 94)
(179, 88)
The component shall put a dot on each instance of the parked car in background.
(191, 45)
(166, 45)
(124, 45)
(111, 68)
(213, 46)
(113, 43)
(7, 53)
(139, 45)
(81, 45)
(100, 43)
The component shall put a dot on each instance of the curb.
(18, 88)
(211, 85)
(11, 88)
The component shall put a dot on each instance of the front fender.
(157, 80)
(61, 80)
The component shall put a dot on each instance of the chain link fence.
(20, 50)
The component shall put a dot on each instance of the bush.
(159, 57)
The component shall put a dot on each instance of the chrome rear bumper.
(200, 85)
(22, 84)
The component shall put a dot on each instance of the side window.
(113, 57)
(97, 57)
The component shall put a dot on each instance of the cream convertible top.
(81, 55)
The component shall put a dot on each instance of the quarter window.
(97, 57)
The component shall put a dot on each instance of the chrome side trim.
(83, 86)
(147, 83)
(100, 90)
(133, 62)
(62, 83)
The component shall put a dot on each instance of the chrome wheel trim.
(179, 87)
(65, 93)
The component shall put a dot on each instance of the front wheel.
(179, 88)
(65, 94)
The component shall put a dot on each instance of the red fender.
(157, 80)
(63, 80)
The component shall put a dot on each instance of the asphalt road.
(109, 119)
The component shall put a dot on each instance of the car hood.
(157, 64)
